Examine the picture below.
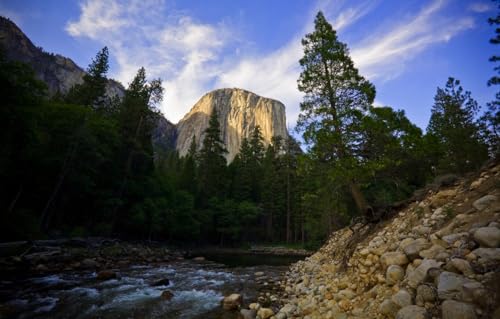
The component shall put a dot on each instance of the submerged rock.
(106, 275)
(167, 295)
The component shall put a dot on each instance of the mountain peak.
(239, 112)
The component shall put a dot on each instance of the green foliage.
(336, 98)
(92, 92)
(457, 135)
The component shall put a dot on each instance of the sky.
(406, 48)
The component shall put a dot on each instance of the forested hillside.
(82, 163)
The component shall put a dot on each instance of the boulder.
(451, 285)
(459, 265)
(487, 255)
(484, 202)
(420, 273)
(488, 237)
(452, 309)
(413, 250)
(248, 313)
(394, 274)
(452, 238)
(432, 252)
(412, 312)
(265, 313)
(393, 258)
(232, 302)
(402, 298)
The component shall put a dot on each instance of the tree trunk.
(288, 211)
(360, 200)
(270, 226)
(128, 167)
(16, 198)
(46, 213)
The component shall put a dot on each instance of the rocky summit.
(437, 258)
(239, 112)
(58, 72)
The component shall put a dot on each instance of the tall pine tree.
(335, 98)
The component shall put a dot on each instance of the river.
(197, 287)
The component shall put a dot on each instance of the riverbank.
(438, 258)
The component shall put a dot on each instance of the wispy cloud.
(170, 45)
(480, 7)
(385, 55)
(194, 57)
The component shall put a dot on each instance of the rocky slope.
(58, 72)
(239, 112)
(437, 258)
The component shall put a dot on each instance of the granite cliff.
(58, 72)
(239, 112)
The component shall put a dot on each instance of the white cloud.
(174, 47)
(385, 55)
(480, 7)
(194, 58)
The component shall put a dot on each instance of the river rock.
(452, 238)
(487, 255)
(265, 313)
(412, 250)
(459, 265)
(450, 285)
(89, 263)
(393, 258)
(487, 237)
(394, 274)
(432, 252)
(106, 275)
(167, 295)
(452, 309)
(232, 302)
(161, 282)
(419, 274)
(389, 308)
(412, 312)
(248, 313)
(425, 293)
(484, 202)
(402, 298)
(288, 309)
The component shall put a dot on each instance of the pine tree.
(453, 125)
(335, 98)
(212, 162)
(92, 92)
(490, 121)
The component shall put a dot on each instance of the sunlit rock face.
(239, 112)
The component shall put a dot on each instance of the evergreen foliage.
(83, 164)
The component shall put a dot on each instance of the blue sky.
(406, 48)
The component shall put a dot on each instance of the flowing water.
(197, 287)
